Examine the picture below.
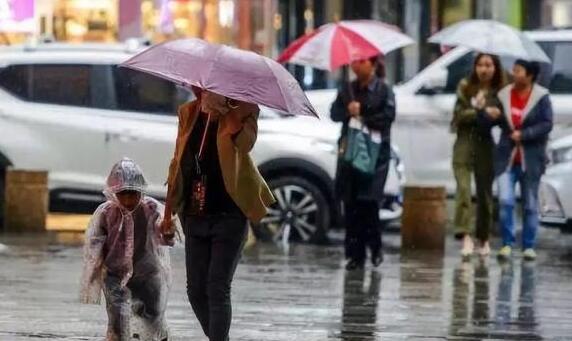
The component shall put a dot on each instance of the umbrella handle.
(350, 88)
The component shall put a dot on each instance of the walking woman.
(473, 152)
(370, 100)
(215, 188)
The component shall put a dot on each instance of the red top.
(517, 105)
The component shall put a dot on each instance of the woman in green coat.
(473, 152)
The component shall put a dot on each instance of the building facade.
(268, 26)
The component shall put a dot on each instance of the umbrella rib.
(211, 66)
(286, 104)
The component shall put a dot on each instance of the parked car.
(425, 106)
(70, 110)
(555, 197)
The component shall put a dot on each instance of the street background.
(283, 291)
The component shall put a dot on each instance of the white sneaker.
(505, 252)
(529, 254)
(485, 249)
(468, 247)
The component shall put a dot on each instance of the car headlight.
(561, 155)
(550, 205)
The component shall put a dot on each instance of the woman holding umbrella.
(368, 99)
(215, 132)
(473, 151)
(372, 102)
(213, 184)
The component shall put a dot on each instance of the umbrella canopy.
(489, 36)
(338, 44)
(234, 73)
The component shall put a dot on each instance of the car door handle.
(124, 136)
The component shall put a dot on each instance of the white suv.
(70, 110)
(556, 187)
(425, 106)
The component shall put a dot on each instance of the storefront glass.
(456, 10)
(85, 20)
(557, 13)
(243, 23)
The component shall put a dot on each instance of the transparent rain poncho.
(134, 278)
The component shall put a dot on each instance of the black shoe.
(377, 259)
(354, 264)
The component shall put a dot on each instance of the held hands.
(493, 112)
(479, 101)
(516, 136)
(354, 108)
(167, 231)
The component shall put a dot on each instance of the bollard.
(25, 200)
(424, 220)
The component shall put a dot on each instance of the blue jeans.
(507, 199)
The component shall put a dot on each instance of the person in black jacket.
(372, 101)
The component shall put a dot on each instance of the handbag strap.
(199, 156)
(204, 138)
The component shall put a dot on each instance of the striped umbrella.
(337, 44)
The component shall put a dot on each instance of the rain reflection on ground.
(305, 294)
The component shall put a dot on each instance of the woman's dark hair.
(532, 68)
(499, 77)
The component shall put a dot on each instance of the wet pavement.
(305, 294)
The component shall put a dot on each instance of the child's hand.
(166, 225)
(168, 238)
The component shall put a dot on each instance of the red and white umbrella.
(338, 44)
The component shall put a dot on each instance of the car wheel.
(301, 212)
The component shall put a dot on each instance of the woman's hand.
(479, 101)
(233, 123)
(493, 112)
(166, 225)
(167, 231)
(354, 108)
(214, 104)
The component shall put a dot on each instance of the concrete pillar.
(424, 219)
(26, 200)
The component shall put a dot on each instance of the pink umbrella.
(337, 44)
(237, 74)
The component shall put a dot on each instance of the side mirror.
(435, 83)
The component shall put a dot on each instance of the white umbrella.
(489, 36)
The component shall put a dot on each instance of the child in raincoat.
(127, 257)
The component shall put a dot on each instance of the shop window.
(15, 80)
(137, 91)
